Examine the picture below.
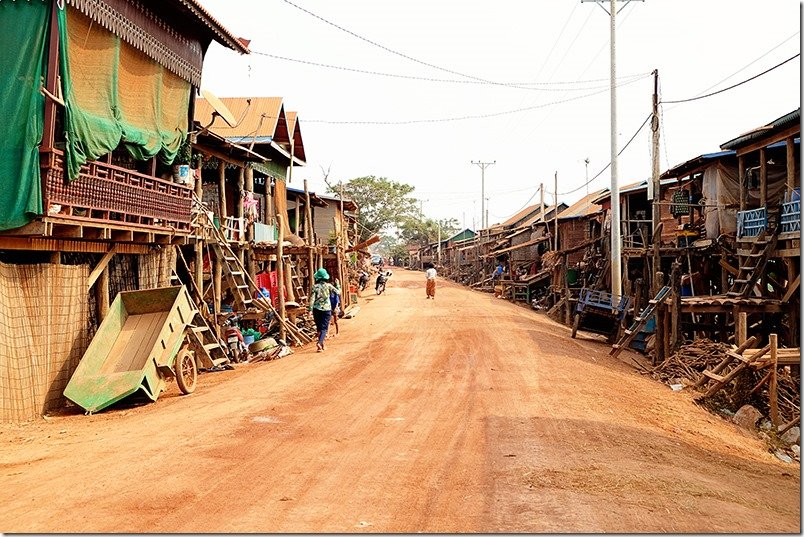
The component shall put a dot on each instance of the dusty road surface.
(462, 414)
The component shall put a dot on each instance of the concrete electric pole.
(483, 165)
(616, 258)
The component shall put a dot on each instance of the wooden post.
(741, 328)
(741, 181)
(661, 335)
(49, 124)
(250, 265)
(296, 215)
(103, 293)
(675, 319)
(773, 394)
(791, 165)
(217, 279)
(199, 242)
(308, 235)
(222, 190)
(280, 274)
(763, 179)
(241, 183)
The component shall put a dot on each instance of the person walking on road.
(321, 306)
(430, 274)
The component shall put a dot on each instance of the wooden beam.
(792, 288)
(762, 144)
(763, 178)
(773, 387)
(791, 164)
(740, 179)
(103, 293)
(101, 266)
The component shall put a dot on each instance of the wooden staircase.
(640, 321)
(753, 265)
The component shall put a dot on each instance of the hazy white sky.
(559, 48)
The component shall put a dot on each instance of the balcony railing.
(751, 223)
(636, 233)
(107, 194)
(791, 217)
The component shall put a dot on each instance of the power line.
(606, 167)
(380, 46)
(513, 85)
(734, 85)
(463, 118)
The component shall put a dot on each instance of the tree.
(383, 203)
(422, 231)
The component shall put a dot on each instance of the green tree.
(383, 203)
(422, 231)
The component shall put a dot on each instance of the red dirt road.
(462, 414)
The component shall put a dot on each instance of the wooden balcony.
(108, 202)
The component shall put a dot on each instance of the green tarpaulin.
(115, 95)
(23, 35)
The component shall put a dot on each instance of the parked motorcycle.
(234, 339)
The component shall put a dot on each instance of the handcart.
(146, 338)
(596, 312)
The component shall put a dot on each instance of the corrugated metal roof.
(685, 168)
(295, 132)
(582, 207)
(548, 214)
(521, 215)
(777, 125)
(264, 117)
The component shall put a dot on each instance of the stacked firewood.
(690, 361)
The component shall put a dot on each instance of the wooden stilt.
(773, 393)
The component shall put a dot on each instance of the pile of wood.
(690, 361)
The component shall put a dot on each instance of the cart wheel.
(575, 323)
(186, 371)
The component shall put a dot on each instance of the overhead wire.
(766, 71)
(466, 117)
(512, 85)
(606, 167)
(390, 50)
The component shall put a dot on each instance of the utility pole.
(483, 166)
(616, 257)
(541, 192)
(555, 213)
(655, 193)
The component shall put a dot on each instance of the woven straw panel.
(43, 335)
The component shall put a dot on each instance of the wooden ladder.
(732, 365)
(210, 352)
(640, 321)
(298, 288)
(753, 265)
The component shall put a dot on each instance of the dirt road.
(462, 414)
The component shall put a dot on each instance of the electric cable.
(734, 85)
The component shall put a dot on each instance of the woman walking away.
(430, 274)
(321, 306)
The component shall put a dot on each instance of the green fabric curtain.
(23, 36)
(116, 95)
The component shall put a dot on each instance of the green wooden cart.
(146, 338)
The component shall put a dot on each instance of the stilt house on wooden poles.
(95, 168)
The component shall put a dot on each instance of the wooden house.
(95, 132)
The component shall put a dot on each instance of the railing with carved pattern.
(105, 193)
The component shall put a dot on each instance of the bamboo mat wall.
(43, 335)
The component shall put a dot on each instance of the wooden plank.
(718, 368)
(793, 287)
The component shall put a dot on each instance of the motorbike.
(234, 339)
(363, 281)
(382, 279)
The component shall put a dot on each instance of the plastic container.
(248, 340)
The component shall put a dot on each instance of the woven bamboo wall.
(43, 334)
(155, 268)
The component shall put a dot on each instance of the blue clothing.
(322, 320)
